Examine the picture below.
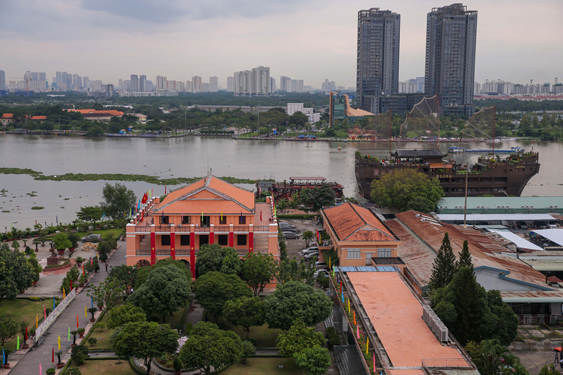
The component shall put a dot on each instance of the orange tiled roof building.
(358, 235)
(206, 212)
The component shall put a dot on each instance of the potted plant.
(79, 261)
(61, 242)
(74, 238)
(32, 332)
(80, 332)
(92, 310)
(73, 333)
(100, 305)
(82, 280)
(6, 364)
(51, 371)
(103, 257)
(43, 239)
(59, 364)
(177, 365)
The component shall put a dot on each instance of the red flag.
(91, 261)
(26, 334)
(53, 356)
(83, 271)
(70, 284)
(144, 200)
(77, 326)
(260, 215)
(142, 215)
(165, 190)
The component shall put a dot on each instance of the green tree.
(165, 290)
(444, 267)
(465, 257)
(295, 300)
(317, 198)
(79, 353)
(126, 274)
(258, 270)
(211, 258)
(307, 236)
(109, 292)
(298, 119)
(145, 340)
(231, 264)
(245, 312)
(499, 320)
(493, 354)
(549, 370)
(248, 349)
(95, 131)
(144, 272)
(61, 241)
(16, 273)
(407, 189)
(117, 200)
(316, 360)
(298, 338)
(210, 348)
(90, 214)
(8, 328)
(121, 315)
(475, 352)
(214, 289)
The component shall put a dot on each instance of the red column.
(173, 245)
(192, 251)
(231, 236)
(153, 247)
(250, 242)
(211, 234)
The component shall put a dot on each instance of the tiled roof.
(7, 116)
(485, 252)
(395, 314)
(94, 112)
(39, 117)
(354, 223)
(210, 195)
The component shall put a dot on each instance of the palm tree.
(307, 236)
(493, 355)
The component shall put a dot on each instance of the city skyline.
(140, 40)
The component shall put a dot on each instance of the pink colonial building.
(205, 212)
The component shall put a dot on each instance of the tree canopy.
(214, 288)
(407, 189)
(298, 338)
(444, 267)
(210, 348)
(316, 360)
(214, 257)
(295, 300)
(117, 200)
(165, 290)
(317, 198)
(258, 270)
(90, 213)
(128, 313)
(16, 273)
(245, 312)
(145, 340)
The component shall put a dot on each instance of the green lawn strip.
(22, 310)
(259, 366)
(108, 366)
(264, 336)
(175, 320)
(102, 335)
(104, 232)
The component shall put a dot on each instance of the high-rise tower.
(451, 34)
(378, 55)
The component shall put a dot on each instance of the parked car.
(541, 225)
(286, 224)
(290, 235)
(322, 272)
(92, 238)
(522, 225)
(310, 256)
(289, 230)
(309, 250)
(321, 265)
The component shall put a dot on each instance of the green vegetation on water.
(116, 177)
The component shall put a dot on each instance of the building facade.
(213, 84)
(206, 212)
(230, 84)
(2, 80)
(378, 55)
(451, 36)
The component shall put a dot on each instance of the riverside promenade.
(42, 354)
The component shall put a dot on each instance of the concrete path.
(42, 354)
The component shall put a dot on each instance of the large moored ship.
(492, 174)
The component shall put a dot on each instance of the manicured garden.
(106, 366)
(262, 336)
(22, 310)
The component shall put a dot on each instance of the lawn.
(259, 366)
(110, 366)
(102, 335)
(104, 232)
(264, 336)
(176, 319)
(22, 310)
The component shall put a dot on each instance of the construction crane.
(26, 79)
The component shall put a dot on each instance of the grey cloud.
(171, 11)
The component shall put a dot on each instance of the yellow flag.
(59, 342)
(329, 263)
(367, 346)
(221, 215)
(64, 293)
(85, 311)
(348, 306)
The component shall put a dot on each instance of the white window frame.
(386, 250)
(368, 259)
(357, 253)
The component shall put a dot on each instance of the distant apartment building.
(230, 84)
(149, 86)
(134, 83)
(213, 84)
(312, 117)
(451, 38)
(143, 83)
(189, 86)
(328, 86)
(273, 87)
(2, 80)
(253, 82)
(197, 84)
(291, 85)
(412, 86)
(160, 82)
(377, 55)
(205, 87)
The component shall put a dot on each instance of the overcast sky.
(517, 40)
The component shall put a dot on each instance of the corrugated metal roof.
(496, 217)
(511, 204)
(366, 269)
(519, 241)
(554, 235)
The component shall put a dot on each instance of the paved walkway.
(42, 354)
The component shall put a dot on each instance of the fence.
(45, 324)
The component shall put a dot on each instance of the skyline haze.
(314, 40)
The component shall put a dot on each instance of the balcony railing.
(185, 228)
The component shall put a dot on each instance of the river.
(190, 157)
